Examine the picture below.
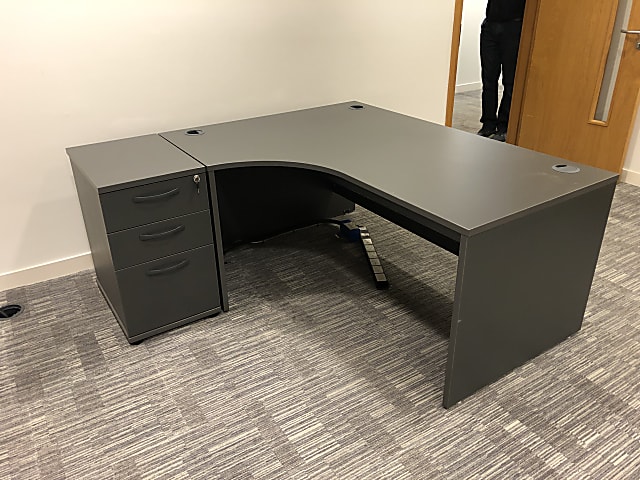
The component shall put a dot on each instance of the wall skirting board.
(630, 177)
(468, 87)
(47, 271)
(67, 266)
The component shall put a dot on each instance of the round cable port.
(192, 133)
(564, 168)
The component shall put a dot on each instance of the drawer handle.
(157, 236)
(163, 271)
(156, 198)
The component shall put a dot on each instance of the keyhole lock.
(196, 180)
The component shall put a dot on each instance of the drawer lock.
(196, 180)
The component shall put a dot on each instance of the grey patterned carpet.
(315, 374)
(467, 110)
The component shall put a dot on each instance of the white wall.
(83, 71)
(468, 78)
(631, 169)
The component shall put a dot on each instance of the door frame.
(527, 39)
(453, 62)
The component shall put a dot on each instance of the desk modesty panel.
(526, 232)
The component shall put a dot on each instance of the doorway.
(468, 88)
(466, 103)
(559, 81)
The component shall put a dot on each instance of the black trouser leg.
(509, 44)
(490, 63)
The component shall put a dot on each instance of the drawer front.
(156, 240)
(164, 291)
(152, 202)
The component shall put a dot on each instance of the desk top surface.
(118, 164)
(460, 180)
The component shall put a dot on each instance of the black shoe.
(487, 131)
(499, 136)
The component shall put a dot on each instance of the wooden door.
(560, 98)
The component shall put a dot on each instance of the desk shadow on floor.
(307, 327)
(299, 269)
(316, 293)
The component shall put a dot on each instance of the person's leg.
(490, 63)
(510, 42)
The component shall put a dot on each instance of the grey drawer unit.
(159, 239)
(145, 205)
(153, 202)
(183, 286)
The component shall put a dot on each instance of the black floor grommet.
(9, 311)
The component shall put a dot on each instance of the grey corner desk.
(161, 209)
